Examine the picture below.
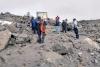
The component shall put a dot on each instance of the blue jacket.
(33, 23)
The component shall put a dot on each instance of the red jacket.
(42, 27)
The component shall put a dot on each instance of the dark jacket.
(57, 23)
(64, 24)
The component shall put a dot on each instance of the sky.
(80, 9)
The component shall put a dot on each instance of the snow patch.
(5, 22)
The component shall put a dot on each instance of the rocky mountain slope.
(18, 47)
(59, 50)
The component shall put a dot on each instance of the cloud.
(81, 9)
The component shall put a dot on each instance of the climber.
(33, 22)
(43, 30)
(57, 24)
(41, 27)
(64, 26)
(75, 28)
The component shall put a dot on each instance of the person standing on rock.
(38, 29)
(75, 27)
(64, 26)
(43, 30)
(41, 27)
(57, 24)
(33, 22)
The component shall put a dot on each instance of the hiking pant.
(34, 30)
(57, 29)
(76, 32)
(41, 37)
(64, 29)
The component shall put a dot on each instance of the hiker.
(75, 28)
(43, 30)
(57, 25)
(64, 26)
(33, 22)
(38, 28)
(41, 27)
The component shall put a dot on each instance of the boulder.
(91, 43)
(4, 38)
(2, 28)
(62, 49)
(23, 38)
(98, 40)
(12, 28)
(85, 43)
(59, 49)
(52, 57)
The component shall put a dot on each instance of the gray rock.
(2, 28)
(98, 40)
(23, 38)
(4, 38)
(59, 49)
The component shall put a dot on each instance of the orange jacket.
(42, 26)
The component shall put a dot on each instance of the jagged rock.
(91, 43)
(2, 28)
(4, 38)
(23, 38)
(59, 49)
(62, 50)
(12, 40)
(12, 28)
(80, 65)
(52, 57)
(98, 40)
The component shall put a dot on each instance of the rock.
(91, 43)
(59, 49)
(12, 28)
(92, 54)
(98, 40)
(80, 65)
(52, 57)
(94, 61)
(64, 38)
(12, 40)
(23, 38)
(2, 28)
(2, 59)
(80, 54)
(4, 38)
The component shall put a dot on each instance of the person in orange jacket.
(41, 31)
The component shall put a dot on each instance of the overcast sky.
(80, 9)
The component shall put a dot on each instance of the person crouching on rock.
(75, 28)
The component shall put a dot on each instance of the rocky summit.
(19, 47)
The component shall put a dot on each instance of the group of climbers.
(64, 24)
(39, 27)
